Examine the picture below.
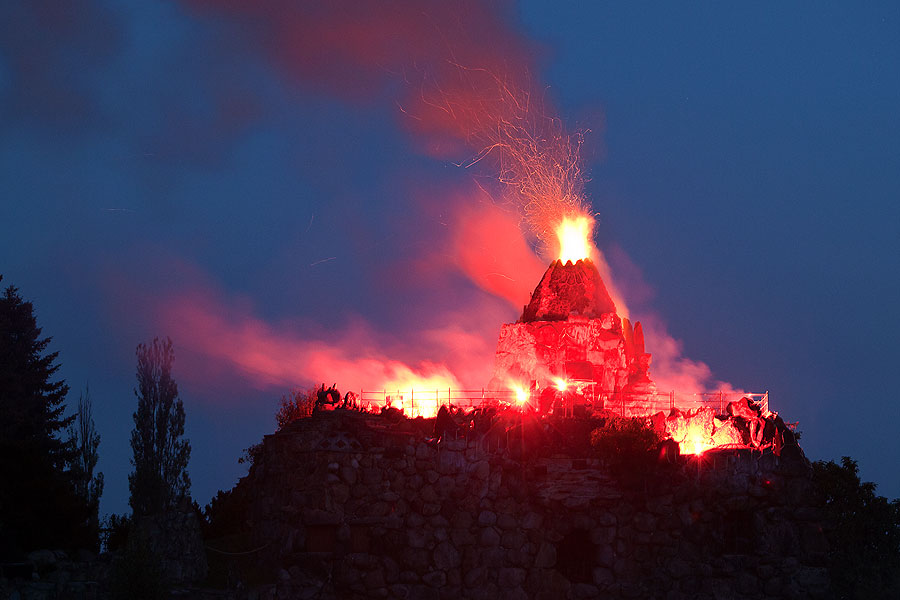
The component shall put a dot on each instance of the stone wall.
(345, 506)
(51, 574)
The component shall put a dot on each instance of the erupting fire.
(561, 384)
(574, 234)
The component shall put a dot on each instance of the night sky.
(270, 202)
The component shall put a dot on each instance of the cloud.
(52, 52)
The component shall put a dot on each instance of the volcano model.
(570, 332)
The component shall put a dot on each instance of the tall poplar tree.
(160, 478)
(86, 441)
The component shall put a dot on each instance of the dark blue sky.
(744, 163)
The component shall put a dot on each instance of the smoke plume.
(463, 82)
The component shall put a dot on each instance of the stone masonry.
(348, 505)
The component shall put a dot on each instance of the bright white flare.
(521, 395)
(574, 234)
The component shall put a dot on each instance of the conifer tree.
(38, 503)
(160, 478)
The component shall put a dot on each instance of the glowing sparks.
(561, 384)
(574, 235)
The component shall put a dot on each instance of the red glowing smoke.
(219, 337)
(671, 370)
(490, 249)
(357, 49)
(464, 84)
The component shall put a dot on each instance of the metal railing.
(635, 404)
(427, 402)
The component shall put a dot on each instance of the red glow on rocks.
(700, 430)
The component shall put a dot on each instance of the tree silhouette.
(863, 531)
(160, 479)
(38, 503)
(85, 441)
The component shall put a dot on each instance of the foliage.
(116, 533)
(38, 503)
(250, 454)
(137, 574)
(628, 446)
(297, 404)
(620, 436)
(85, 440)
(232, 558)
(863, 533)
(226, 513)
(160, 480)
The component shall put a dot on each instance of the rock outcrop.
(570, 331)
(569, 289)
(391, 515)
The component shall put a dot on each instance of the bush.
(227, 535)
(250, 454)
(226, 513)
(115, 532)
(619, 436)
(295, 405)
(628, 446)
(137, 575)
